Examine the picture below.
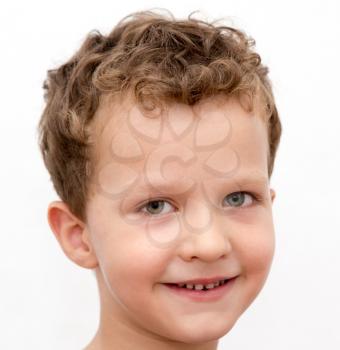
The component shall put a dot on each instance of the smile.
(199, 286)
(199, 292)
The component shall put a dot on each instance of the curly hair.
(158, 58)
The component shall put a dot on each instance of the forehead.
(217, 133)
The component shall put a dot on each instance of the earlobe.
(71, 233)
(272, 194)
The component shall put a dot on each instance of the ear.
(272, 194)
(72, 235)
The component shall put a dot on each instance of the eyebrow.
(167, 186)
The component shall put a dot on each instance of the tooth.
(181, 284)
(190, 286)
(209, 286)
(216, 284)
(198, 286)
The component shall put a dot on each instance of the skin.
(197, 233)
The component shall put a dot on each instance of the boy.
(173, 112)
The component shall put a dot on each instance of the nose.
(209, 244)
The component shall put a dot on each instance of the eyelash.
(256, 199)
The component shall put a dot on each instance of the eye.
(154, 207)
(237, 199)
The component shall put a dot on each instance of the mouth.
(199, 286)
(199, 292)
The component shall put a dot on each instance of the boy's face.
(195, 158)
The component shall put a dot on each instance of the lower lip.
(203, 295)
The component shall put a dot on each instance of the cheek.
(255, 243)
(257, 252)
(132, 266)
(254, 246)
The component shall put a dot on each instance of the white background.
(48, 302)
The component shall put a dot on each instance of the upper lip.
(204, 280)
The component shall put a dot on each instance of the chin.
(200, 335)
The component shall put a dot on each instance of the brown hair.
(158, 58)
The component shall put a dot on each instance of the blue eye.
(154, 206)
(239, 199)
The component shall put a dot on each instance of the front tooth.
(216, 284)
(190, 286)
(209, 286)
(198, 286)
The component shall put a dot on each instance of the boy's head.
(178, 113)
